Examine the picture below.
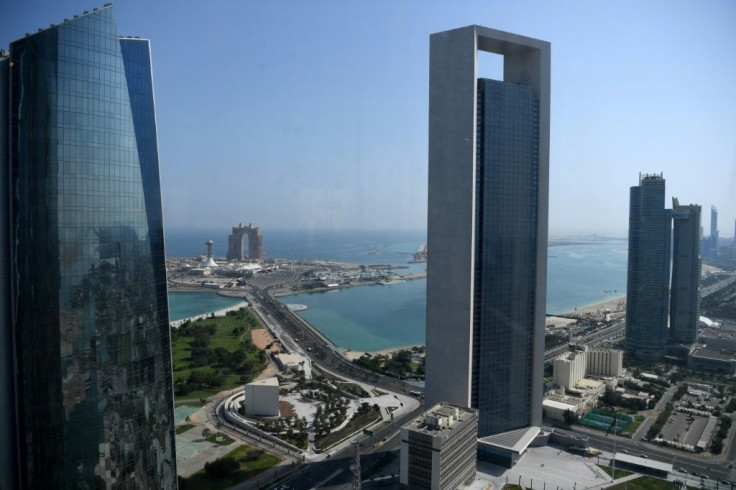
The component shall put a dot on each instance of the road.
(333, 471)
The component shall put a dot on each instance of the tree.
(221, 467)
(571, 418)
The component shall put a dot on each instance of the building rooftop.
(442, 420)
(649, 463)
(559, 405)
(265, 382)
(515, 440)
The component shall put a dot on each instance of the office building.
(86, 395)
(438, 448)
(714, 224)
(648, 280)
(487, 227)
(686, 265)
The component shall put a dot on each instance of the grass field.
(248, 467)
(183, 428)
(619, 473)
(644, 483)
(231, 333)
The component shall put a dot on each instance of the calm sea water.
(185, 305)
(377, 317)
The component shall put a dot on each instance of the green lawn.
(619, 473)
(633, 426)
(224, 439)
(645, 483)
(248, 467)
(223, 337)
(183, 428)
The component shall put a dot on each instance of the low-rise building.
(438, 448)
(262, 398)
(714, 350)
(555, 410)
(288, 361)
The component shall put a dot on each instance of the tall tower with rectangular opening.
(487, 227)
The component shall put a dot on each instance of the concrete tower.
(487, 227)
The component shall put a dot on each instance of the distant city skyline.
(314, 115)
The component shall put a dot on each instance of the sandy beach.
(616, 305)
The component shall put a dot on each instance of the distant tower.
(210, 262)
(648, 281)
(713, 243)
(686, 265)
(255, 243)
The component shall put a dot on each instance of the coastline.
(595, 309)
(220, 312)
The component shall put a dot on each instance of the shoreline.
(218, 313)
(594, 308)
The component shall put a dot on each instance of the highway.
(334, 471)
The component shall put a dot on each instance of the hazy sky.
(313, 114)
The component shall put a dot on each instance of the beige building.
(569, 369)
(555, 410)
(438, 448)
(605, 362)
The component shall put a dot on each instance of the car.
(644, 456)
(704, 477)
(682, 470)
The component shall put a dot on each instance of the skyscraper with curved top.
(86, 395)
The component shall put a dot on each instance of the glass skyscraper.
(87, 335)
(487, 232)
(648, 279)
(686, 267)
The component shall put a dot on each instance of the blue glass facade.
(648, 280)
(88, 284)
(505, 256)
(686, 267)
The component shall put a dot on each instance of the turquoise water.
(368, 317)
(185, 305)
(377, 317)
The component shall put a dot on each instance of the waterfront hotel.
(487, 233)
(85, 369)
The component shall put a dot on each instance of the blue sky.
(293, 114)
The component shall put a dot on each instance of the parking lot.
(684, 428)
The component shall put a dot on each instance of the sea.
(368, 318)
